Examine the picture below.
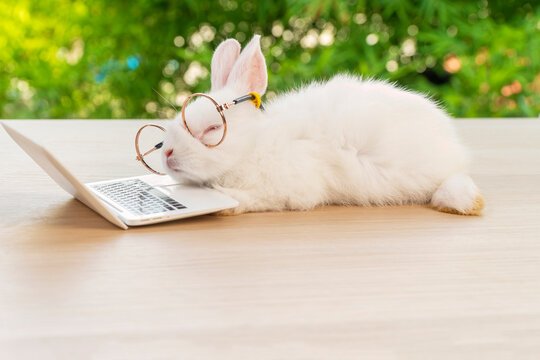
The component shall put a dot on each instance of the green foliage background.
(102, 59)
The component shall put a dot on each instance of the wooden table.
(335, 283)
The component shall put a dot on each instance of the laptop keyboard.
(138, 197)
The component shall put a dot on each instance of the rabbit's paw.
(458, 195)
(230, 212)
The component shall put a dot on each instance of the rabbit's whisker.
(166, 100)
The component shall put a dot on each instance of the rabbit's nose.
(168, 153)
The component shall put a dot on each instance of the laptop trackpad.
(193, 196)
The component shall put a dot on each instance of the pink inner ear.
(258, 77)
(221, 70)
(249, 71)
(222, 62)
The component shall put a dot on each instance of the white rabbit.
(344, 141)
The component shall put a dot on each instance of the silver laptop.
(133, 201)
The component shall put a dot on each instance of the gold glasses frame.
(219, 109)
(140, 155)
(254, 97)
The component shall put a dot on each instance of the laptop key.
(138, 197)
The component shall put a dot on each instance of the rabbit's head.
(233, 74)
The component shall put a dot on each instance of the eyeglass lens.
(203, 120)
(147, 143)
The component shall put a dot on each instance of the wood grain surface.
(334, 283)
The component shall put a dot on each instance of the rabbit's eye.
(210, 129)
(213, 128)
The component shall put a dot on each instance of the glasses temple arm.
(255, 98)
(156, 147)
(242, 99)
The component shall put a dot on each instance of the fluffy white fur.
(343, 141)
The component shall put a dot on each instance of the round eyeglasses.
(149, 137)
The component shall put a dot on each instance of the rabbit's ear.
(249, 71)
(222, 62)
